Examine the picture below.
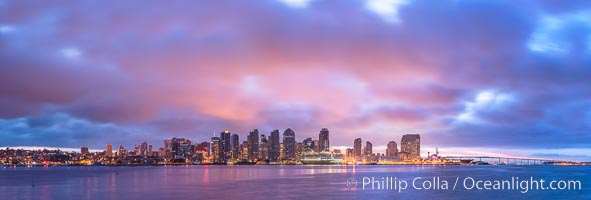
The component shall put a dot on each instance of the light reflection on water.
(264, 182)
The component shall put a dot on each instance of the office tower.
(215, 150)
(315, 146)
(144, 149)
(122, 153)
(136, 150)
(167, 149)
(323, 141)
(150, 150)
(180, 148)
(225, 144)
(357, 147)
(109, 150)
(289, 144)
(368, 148)
(253, 145)
(264, 148)
(235, 146)
(308, 145)
(411, 144)
(299, 150)
(84, 151)
(391, 149)
(274, 146)
(161, 152)
(350, 153)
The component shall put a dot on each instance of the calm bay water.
(271, 182)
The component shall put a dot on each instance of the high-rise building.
(235, 146)
(308, 145)
(216, 150)
(264, 148)
(411, 144)
(167, 149)
(144, 149)
(109, 150)
(391, 149)
(350, 153)
(253, 145)
(180, 148)
(323, 141)
(122, 152)
(225, 144)
(357, 147)
(150, 150)
(315, 146)
(289, 144)
(368, 148)
(274, 146)
(84, 151)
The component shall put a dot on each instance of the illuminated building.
(289, 144)
(264, 148)
(411, 144)
(391, 149)
(225, 145)
(109, 150)
(323, 140)
(84, 151)
(235, 146)
(368, 148)
(215, 149)
(357, 147)
(308, 145)
(274, 147)
(253, 145)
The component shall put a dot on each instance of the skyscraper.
(357, 147)
(215, 149)
(167, 149)
(368, 148)
(144, 149)
(180, 148)
(323, 141)
(411, 144)
(289, 144)
(308, 145)
(391, 149)
(235, 146)
(264, 148)
(274, 147)
(225, 145)
(84, 151)
(109, 150)
(253, 145)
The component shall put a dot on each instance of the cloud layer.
(461, 73)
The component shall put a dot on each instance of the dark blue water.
(272, 182)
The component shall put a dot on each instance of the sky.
(471, 77)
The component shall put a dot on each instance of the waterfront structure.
(357, 147)
(289, 144)
(323, 140)
(411, 144)
(391, 149)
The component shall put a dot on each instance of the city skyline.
(470, 76)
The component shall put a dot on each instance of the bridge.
(499, 160)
